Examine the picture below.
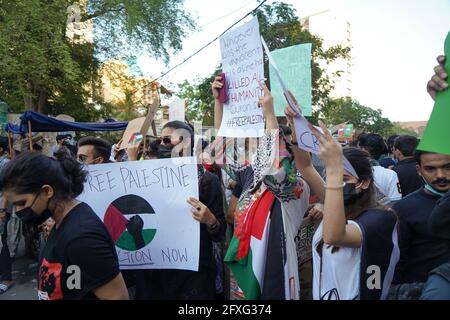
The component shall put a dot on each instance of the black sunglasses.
(165, 140)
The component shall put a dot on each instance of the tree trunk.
(28, 102)
(41, 101)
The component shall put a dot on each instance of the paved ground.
(24, 275)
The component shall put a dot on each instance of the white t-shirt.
(387, 185)
(340, 276)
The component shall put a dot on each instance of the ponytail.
(29, 171)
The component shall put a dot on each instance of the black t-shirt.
(79, 256)
(420, 249)
(408, 177)
(440, 217)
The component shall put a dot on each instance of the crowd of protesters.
(379, 231)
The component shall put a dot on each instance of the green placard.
(294, 64)
(437, 133)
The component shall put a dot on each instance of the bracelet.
(214, 225)
(334, 187)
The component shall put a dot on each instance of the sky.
(395, 45)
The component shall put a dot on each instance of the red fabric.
(115, 222)
(208, 167)
(252, 222)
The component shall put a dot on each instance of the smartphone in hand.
(223, 98)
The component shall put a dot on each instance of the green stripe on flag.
(243, 271)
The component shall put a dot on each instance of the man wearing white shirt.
(385, 180)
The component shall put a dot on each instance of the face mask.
(29, 216)
(165, 151)
(350, 194)
(430, 188)
(69, 142)
(434, 191)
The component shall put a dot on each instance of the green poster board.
(294, 64)
(437, 133)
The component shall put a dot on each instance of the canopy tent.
(31, 121)
(42, 123)
(12, 128)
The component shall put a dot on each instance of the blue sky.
(395, 44)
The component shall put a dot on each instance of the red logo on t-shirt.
(50, 281)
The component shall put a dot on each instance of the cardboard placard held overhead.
(437, 130)
(138, 125)
(243, 65)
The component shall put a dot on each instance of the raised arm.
(218, 106)
(438, 81)
(336, 231)
(303, 161)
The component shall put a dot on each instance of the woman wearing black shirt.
(79, 260)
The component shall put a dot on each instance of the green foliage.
(199, 100)
(280, 26)
(362, 117)
(42, 69)
(397, 129)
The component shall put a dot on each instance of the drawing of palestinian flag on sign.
(135, 138)
(131, 221)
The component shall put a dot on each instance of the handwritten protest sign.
(294, 64)
(139, 126)
(143, 205)
(438, 127)
(176, 110)
(242, 63)
(308, 142)
(134, 127)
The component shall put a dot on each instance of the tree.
(280, 27)
(362, 117)
(45, 70)
(397, 129)
(199, 100)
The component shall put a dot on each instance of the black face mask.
(350, 194)
(29, 216)
(165, 151)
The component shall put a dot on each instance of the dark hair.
(286, 130)
(37, 147)
(181, 125)
(418, 154)
(406, 145)
(373, 143)
(102, 148)
(63, 136)
(390, 141)
(4, 143)
(24, 174)
(360, 161)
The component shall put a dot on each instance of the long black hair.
(29, 171)
(360, 161)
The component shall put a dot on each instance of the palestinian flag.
(135, 138)
(130, 217)
(247, 252)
